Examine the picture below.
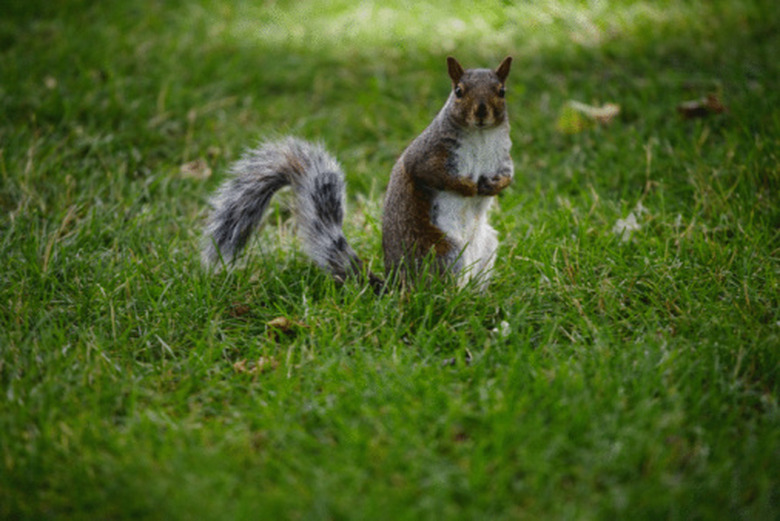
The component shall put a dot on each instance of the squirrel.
(437, 200)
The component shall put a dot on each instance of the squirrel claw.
(492, 185)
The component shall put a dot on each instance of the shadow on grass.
(163, 83)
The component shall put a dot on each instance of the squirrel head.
(477, 98)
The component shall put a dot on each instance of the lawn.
(623, 362)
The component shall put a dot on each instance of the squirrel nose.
(481, 111)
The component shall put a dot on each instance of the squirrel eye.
(458, 91)
(501, 91)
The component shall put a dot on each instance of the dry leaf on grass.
(263, 365)
(576, 116)
(197, 169)
(283, 325)
(239, 309)
(703, 107)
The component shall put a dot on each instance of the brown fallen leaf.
(603, 114)
(238, 309)
(283, 325)
(703, 107)
(576, 116)
(197, 169)
(262, 365)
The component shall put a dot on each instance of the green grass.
(596, 378)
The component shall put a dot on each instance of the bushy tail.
(318, 184)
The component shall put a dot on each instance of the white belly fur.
(464, 219)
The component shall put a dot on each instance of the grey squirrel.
(436, 203)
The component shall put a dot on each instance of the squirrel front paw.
(492, 185)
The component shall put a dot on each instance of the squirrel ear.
(503, 70)
(455, 69)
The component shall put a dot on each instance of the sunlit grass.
(482, 28)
